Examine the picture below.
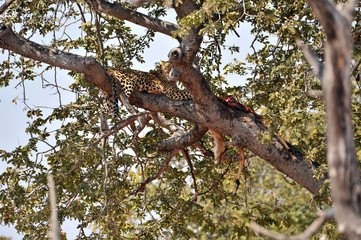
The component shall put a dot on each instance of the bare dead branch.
(323, 218)
(163, 122)
(314, 93)
(117, 10)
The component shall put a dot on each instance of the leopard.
(155, 82)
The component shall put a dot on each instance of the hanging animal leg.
(219, 147)
(240, 168)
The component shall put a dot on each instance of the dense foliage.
(95, 180)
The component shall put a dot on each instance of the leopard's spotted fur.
(151, 82)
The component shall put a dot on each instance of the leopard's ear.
(165, 64)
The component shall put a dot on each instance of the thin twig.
(186, 155)
(54, 39)
(196, 195)
(152, 178)
(120, 125)
(99, 36)
(105, 181)
(354, 69)
(81, 13)
(194, 199)
(217, 182)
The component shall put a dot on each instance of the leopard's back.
(155, 82)
(130, 79)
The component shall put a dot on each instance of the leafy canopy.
(94, 181)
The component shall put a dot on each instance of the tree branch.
(354, 68)
(54, 233)
(323, 218)
(92, 70)
(117, 10)
(341, 153)
(168, 3)
(311, 58)
(155, 176)
(120, 125)
(6, 5)
(182, 141)
(11, 41)
(242, 127)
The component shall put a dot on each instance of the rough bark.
(117, 10)
(183, 140)
(242, 127)
(341, 154)
(93, 71)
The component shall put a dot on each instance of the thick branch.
(167, 3)
(179, 139)
(182, 141)
(182, 59)
(117, 10)
(93, 71)
(54, 233)
(11, 41)
(242, 127)
(341, 153)
(196, 85)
